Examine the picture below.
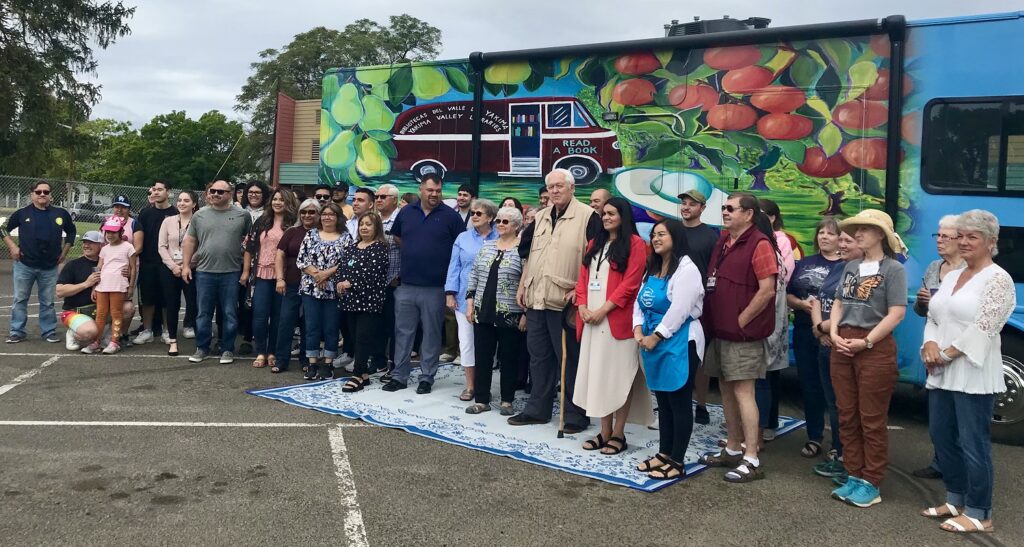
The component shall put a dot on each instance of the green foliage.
(45, 48)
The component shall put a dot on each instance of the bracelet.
(944, 357)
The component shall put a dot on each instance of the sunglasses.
(731, 209)
(477, 213)
(503, 221)
(218, 192)
(42, 192)
(308, 212)
(384, 196)
(322, 197)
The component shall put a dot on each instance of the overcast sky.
(194, 55)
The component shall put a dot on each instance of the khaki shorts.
(731, 361)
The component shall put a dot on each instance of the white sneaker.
(344, 362)
(446, 358)
(70, 343)
(457, 361)
(165, 338)
(190, 332)
(143, 337)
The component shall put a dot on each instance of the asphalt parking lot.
(144, 449)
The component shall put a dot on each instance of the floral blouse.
(367, 271)
(322, 255)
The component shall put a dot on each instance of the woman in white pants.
(467, 246)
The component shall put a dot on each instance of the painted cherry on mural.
(685, 97)
(730, 58)
(860, 115)
(778, 98)
(784, 127)
(633, 92)
(817, 164)
(637, 64)
(865, 153)
(743, 81)
(879, 91)
(731, 117)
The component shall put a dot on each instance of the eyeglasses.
(322, 197)
(42, 192)
(328, 215)
(477, 213)
(218, 192)
(309, 212)
(503, 221)
(256, 193)
(384, 196)
(731, 209)
(944, 237)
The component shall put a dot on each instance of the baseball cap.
(112, 224)
(695, 195)
(93, 236)
(122, 200)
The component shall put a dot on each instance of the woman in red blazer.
(610, 378)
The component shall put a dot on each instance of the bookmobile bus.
(920, 119)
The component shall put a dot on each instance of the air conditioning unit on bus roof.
(725, 24)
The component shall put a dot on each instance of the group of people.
(572, 297)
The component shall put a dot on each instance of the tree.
(44, 48)
(298, 68)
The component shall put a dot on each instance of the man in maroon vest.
(738, 317)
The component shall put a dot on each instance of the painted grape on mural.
(801, 122)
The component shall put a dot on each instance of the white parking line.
(353, 523)
(24, 377)
(122, 355)
(268, 425)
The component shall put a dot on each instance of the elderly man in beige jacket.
(552, 250)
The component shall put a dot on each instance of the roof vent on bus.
(725, 24)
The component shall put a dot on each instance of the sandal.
(610, 450)
(355, 384)
(478, 408)
(665, 473)
(467, 395)
(596, 443)
(954, 525)
(277, 370)
(271, 361)
(648, 465)
(744, 472)
(720, 459)
(259, 362)
(811, 449)
(944, 511)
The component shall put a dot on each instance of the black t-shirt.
(149, 223)
(701, 241)
(75, 272)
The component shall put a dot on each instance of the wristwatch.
(868, 344)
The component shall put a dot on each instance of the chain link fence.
(88, 202)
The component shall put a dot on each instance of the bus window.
(1011, 252)
(973, 146)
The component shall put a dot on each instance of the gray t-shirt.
(219, 234)
(868, 292)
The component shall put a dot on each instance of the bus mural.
(819, 118)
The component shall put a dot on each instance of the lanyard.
(181, 233)
(600, 259)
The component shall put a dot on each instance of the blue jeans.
(291, 303)
(217, 291)
(959, 426)
(766, 392)
(266, 311)
(24, 276)
(415, 306)
(805, 350)
(825, 372)
(321, 326)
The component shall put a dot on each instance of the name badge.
(177, 255)
(868, 269)
(711, 283)
(595, 285)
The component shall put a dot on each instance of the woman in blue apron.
(666, 326)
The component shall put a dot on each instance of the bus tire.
(584, 170)
(428, 167)
(1008, 417)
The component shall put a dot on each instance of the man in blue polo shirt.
(426, 232)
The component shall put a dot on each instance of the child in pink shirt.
(112, 290)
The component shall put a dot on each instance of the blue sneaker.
(846, 489)
(830, 469)
(864, 495)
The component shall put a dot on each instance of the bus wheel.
(425, 168)
(585, 171)
(1008, 416)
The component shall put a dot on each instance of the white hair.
(948, 222)
(488, 206)
(981, 221)
(310, 202)
(569, 179)
(388, 189)
(513, 214)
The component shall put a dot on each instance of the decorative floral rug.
(441, 416)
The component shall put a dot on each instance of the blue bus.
(920, 119)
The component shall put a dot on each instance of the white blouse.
(686, 293)
(970, 321)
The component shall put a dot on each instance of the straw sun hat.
(879, 219)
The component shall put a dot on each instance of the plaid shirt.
(394, 251)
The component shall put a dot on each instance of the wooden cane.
(561, 394)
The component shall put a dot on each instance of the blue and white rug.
(441, 416)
